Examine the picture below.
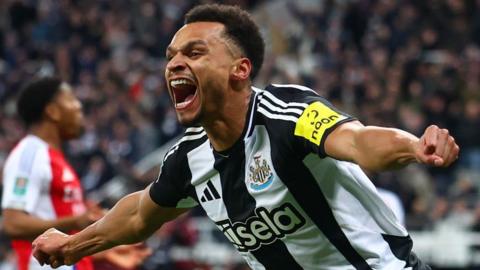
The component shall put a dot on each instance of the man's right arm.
(132, 219)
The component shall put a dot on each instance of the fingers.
(439, 148)
(451, 152)
(430, 139)
(47, 248)
(41, 257)
(55, 261)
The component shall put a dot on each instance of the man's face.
(71, 120)
(200, 60)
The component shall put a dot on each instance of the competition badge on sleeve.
(20, 187)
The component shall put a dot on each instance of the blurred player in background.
(277, 169)
(41, 190)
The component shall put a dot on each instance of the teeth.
(179, 82)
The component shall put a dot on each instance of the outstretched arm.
(377, 148)
(132, 219)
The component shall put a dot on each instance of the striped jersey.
(277, 196)
(38, 180)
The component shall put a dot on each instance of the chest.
(234, 186)
(64, 188)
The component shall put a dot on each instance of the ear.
(52, 112)
(241, 69)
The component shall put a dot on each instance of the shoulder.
(293, 92)
(286, 101)
(191, 139)
(29, 153)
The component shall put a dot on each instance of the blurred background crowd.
(395, 63)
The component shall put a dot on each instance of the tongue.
(188, 98)
(186, 102)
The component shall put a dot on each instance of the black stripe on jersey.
(201, 135)
(174, 180)
(401, 247)
(239, 203)
(231, 167)
(416, 263)
(327, 132)
(310, 197)
(276, 256)
(213, 190)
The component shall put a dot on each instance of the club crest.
(260, 174)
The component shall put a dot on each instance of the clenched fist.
(49, 248)
(436, 147)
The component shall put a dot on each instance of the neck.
(225, 129)
(48, 132)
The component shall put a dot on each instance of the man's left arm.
(377, 148)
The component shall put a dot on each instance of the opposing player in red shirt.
(41, 190)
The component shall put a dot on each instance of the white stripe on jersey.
(194, 129)
(201, 161)
(252, 111)
(184, 139)
(282, 103)
(353, 184)
(308, 241)
(277, 116)
(300, 87)
(356, 204)
(280, 110)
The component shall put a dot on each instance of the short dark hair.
(35, 96)
(239, 26)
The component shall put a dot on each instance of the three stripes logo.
(209, 193)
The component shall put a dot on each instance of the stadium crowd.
(393, 63)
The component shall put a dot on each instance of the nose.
(176, 63)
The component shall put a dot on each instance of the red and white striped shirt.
(38, 180)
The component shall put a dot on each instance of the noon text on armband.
(263, 228)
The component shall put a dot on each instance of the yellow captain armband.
(315, 120)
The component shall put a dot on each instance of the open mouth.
(184, 92)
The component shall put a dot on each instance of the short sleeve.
(316, 122)
(26, 175)
(311, 117)
(172, 187)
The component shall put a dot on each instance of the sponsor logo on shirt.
(315, 120)
(72, 194)
(260, 175)
(20, 187)
(67, 175)
(263, 228)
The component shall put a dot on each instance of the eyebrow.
(187, 46)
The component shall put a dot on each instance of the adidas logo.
(209, 193)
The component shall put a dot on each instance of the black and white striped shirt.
(277, 196)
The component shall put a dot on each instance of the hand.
(48, 248)
(436, 147)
